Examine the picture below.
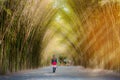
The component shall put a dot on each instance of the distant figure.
(54, 63)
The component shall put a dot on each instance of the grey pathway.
(63, 73)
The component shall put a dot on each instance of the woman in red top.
(54, 63)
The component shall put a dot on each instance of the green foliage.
(8, 11)
(21, 35)
(32, 31)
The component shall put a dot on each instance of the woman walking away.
(54, 63)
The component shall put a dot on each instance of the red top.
(54, 61)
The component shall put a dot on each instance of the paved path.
(63, 73)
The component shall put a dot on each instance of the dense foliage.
(85, 31)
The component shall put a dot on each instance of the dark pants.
(54, 69)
